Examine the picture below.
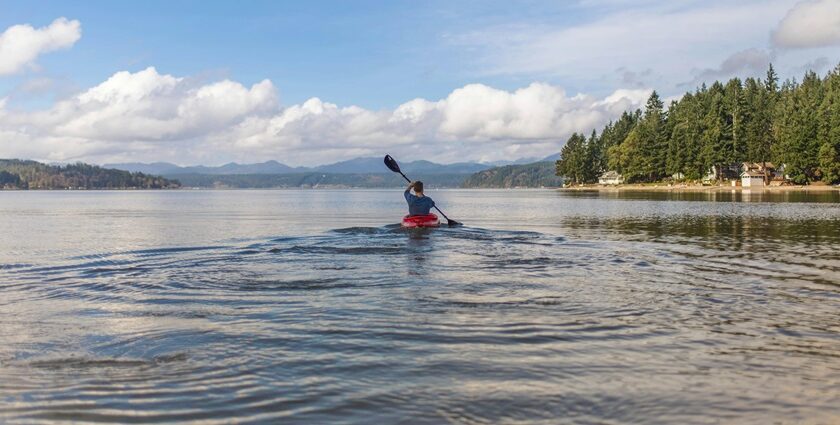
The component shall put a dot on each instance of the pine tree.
(829, 129)
(797, 128)
(717, 130)
(734, 105)
(685, 137)
(771, 82)
(573, 159)
(592, 163)
(628, 158)
(652, 140)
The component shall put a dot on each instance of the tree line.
(538, 174)
(755, 120)
(18, 174)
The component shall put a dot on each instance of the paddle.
(391, 163)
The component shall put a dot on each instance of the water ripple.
(383, 325)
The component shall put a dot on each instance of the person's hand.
(411, 185)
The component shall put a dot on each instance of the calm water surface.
(312, 306)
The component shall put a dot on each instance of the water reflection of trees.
(714, 231)
(824, 196)
(809, 249)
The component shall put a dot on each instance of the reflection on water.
(264, 306)
(734, 195)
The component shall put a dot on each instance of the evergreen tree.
(684, 141)
(760, 102)
(594, 158)
(573, 160)
(771, 82)
(733, 117)
(829, 162)
(794, 125)
(797, 128)
(717, 130)
(652, 142)
(627, 158)
(829, 129)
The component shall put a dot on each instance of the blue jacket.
(418, 205)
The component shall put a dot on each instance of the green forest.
(19, 174)
(538, 174)
(755, 120)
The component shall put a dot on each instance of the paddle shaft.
(438, 209)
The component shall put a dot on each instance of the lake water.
(313, 306)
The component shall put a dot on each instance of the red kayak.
(428, 220)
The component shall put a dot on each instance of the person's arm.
(407, 192)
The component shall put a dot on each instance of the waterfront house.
(752, 179)
(775, 175)
(611, 177)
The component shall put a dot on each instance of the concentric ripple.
(613, 321)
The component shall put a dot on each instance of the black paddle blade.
(391, 163)
(452, 223)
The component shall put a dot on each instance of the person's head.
(418, 187)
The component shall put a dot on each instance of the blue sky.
(375, 54)
(311, 82)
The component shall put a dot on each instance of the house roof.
(610, 175)
(758, 165)
(752, 174)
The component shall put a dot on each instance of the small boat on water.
(427, 220)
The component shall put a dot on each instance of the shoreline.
(699, 188)
(584, 188)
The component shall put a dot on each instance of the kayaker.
(418, 204)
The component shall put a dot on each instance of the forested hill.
(795, 124)
(19, 174)
(538, 174)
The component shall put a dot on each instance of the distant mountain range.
(165, 168)
(311, 180)
(353, 166)
(21, 174)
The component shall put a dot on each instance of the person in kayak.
(418, 204)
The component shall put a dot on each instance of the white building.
(611, 177)
(752, 179)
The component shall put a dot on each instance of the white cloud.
(673, 39)
(147, 106)
(130, 113)
(474, 122)
(20, 45)
(150, 116)
(813, 23)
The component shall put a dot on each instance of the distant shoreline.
(584, 188)
(698, 188)
(90, 189)
(223, 188)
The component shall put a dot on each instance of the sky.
(307, 83)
